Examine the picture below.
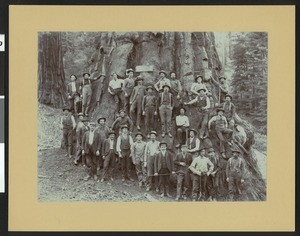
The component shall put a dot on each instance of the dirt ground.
(60, 180)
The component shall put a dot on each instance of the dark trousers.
(91, 163)
(150, 173)
(234, 186)
(68, 136)
(181, 134)
(73, 101)
(119, 100)
(164, 179)
(165, 112)
(212, 186)
(86, 98)
(79, 155)
(183, 180)
(224, 135)
(202, 122)
(109, 164)
(126, 104)
(199, 186)
(140, 172)
(136, 112)
(222, 183)
(125, 163)
(149, 118)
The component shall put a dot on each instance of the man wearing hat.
(123, 119)
(109, 155)
(203, 104)
(81, 128)
(163, 80)
(235, 173)
(201, 168)
(182, 161)
(103, 131)
(68, 125)
(91, 147)
(229, 109)
(166, 104)
(149, 108)
(128, 88)
(197, 85)
(163, 167)
(73, 92)
(182, 124)
(152, 148)
(86, 93)
(115, 89)
(124, 142)
(193, 143)
(137, 154)
(212, 179)
(221, 127)
(136, 100)
(223, 87)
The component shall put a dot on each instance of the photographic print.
(152, 116)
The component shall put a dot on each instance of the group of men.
(199, 171)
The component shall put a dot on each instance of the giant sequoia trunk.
(186, 53)
(51, 76)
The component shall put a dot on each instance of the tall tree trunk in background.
(51, 76)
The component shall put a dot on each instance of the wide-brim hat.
(149, 87)
(80, 114)
(101, 118)
(92, 123)
(124, 126)
(201, 89)
(86, 73)
(74, 76)
(201, 148)
(162, 71)
(153, 132)
(163, 142)
(220, 109)
(66, 109)
(165, 85)
(198, 76)
(228, 95)
(129, 70)
(210, 150)
(222, 77)
(111, 132)
(139, 133)
(139, 78)
(235, 150)
(195, 131)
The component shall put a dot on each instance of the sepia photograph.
(152, 116)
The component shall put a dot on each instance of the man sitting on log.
(128, 88)
(162, 81)
(229, 109)
(149, 107)
(223, 133)
(203, 104)
(182, 124)
(136, 100)
(115, 89)
(73, 91)
(123, 119)
(193, 143)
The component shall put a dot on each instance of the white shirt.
(111, 144)
(91, 137)
(182, 121)
(115, 84)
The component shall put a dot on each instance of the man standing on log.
(183, 160)
(73, 91)
(176, 90)
(86, 93)
(136, 101)
(115, 89)
(109, 156)
(235, 172)
(67, 125)
(137, 153)
(81, 128)
(128, 88)
(122, 120)
(166, 103)
(182, 124)
(91, 149)
(124, 143)
(203, 104)
(103, 131)
(162, 81)
(149, 107)
(193, 143)
(152, 148)
(163, 167)
(223, 88)
(223, 133)
(201, 168)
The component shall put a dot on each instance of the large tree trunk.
(51, 76)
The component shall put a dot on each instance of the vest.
(191, 145)
(164, 161)
(220, 123)
(201, 103)
(165, 100)
(67, 122)
(124, 143)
